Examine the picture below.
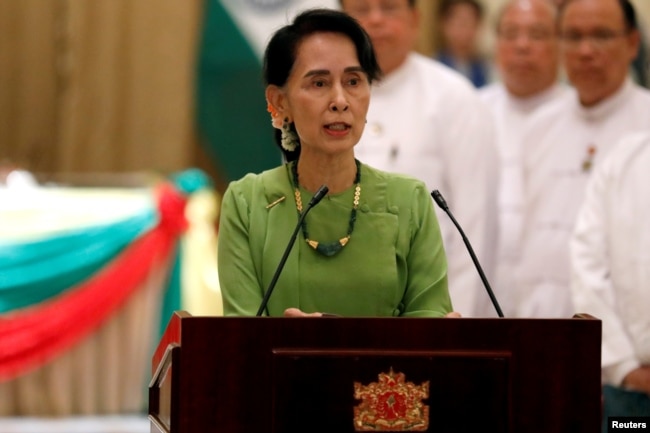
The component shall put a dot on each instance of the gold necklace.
(328, 249)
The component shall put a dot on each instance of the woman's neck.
(336, 172)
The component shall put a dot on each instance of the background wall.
(102, 85)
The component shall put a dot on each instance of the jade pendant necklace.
(327, 249)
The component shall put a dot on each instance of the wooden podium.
(257, 375)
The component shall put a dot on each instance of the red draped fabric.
(32, 337)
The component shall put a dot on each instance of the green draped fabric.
(233, 123)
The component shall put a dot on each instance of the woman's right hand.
(453, 314)
(295, 312)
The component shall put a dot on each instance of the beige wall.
(95, 86)
(428, 36)
(643, 7)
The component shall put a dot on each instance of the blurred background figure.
(640, 67)
(610, 268)
(427, 121)
(460, 27)
(527, 58)
(568, 137)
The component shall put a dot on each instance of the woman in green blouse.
(372, 246)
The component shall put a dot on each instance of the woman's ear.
(276, 98)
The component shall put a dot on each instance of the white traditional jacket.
(563, 144)
(610, 256)
(511, 116)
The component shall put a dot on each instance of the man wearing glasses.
(565, 139)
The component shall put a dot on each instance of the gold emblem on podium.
(391, 404)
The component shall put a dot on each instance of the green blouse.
(393, 265)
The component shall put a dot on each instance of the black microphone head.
(318, 196)
(439, 199)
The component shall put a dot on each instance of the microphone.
(440, 200)
(318, 196)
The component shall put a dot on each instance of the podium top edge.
(581, 317)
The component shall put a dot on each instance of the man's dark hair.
(447, 5)
(629, 14)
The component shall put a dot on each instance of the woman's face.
(327, 94)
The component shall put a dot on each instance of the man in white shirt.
(610, 258)
(599, 40)
(527, 58)
(427, 121)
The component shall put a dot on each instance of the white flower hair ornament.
(290, 139)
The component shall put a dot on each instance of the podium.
(260, 374)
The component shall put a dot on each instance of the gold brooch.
(270, 205)
(589, 159)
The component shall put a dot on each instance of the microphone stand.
(318, 196)
(440, 200)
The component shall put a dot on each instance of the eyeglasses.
(599, 39)
(533, 35)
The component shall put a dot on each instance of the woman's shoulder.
(253, 187)
(398, 187)
(397, 179)
(398, 194)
